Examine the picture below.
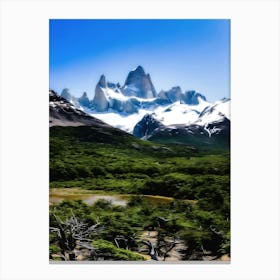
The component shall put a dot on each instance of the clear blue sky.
(194, 54)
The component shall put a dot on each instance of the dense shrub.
(112, 252)
(199, 182)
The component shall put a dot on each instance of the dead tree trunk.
(71, 232)
(152, 250)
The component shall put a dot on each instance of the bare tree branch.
(72, 232)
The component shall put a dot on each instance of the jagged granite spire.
(102, 81)
(84, 100)
(139, 84)
(191, 97)
(140, 70)
(100, 102)
(174, 94)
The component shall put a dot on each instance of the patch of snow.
(131, 87)
(216, 112)
(177, 113)
(212, 130)
(168, 115)
(121, 121)
(109, 93)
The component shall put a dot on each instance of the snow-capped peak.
(217, 112)
(124, 106)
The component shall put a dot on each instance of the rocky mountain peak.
(173, 94)
(102, 81)
(84, 100)
(100, 101)
(84, 95)
(139, 70)
(66, 94)
(191, 97)
(139, 84)
(146, 126)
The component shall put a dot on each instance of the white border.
(255, 137)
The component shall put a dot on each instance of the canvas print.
(139, 140)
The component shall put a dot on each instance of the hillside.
(109, 161)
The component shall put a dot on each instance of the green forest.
(191, 223)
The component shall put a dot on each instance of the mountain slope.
(146, 126)
(210, 129)
(63, 113)
(215, 113)
(195, 135)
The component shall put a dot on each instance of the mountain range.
(136, 107)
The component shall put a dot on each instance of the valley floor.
(115, 197)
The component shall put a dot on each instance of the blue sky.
(194, 54)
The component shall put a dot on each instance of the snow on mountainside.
(215, 118)
(137, 93)
(217, 112)
(108, 97)
(175, 113)
(209, 128)
(179, 113)
(124, 122)
(73, 100)
(137, 108)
